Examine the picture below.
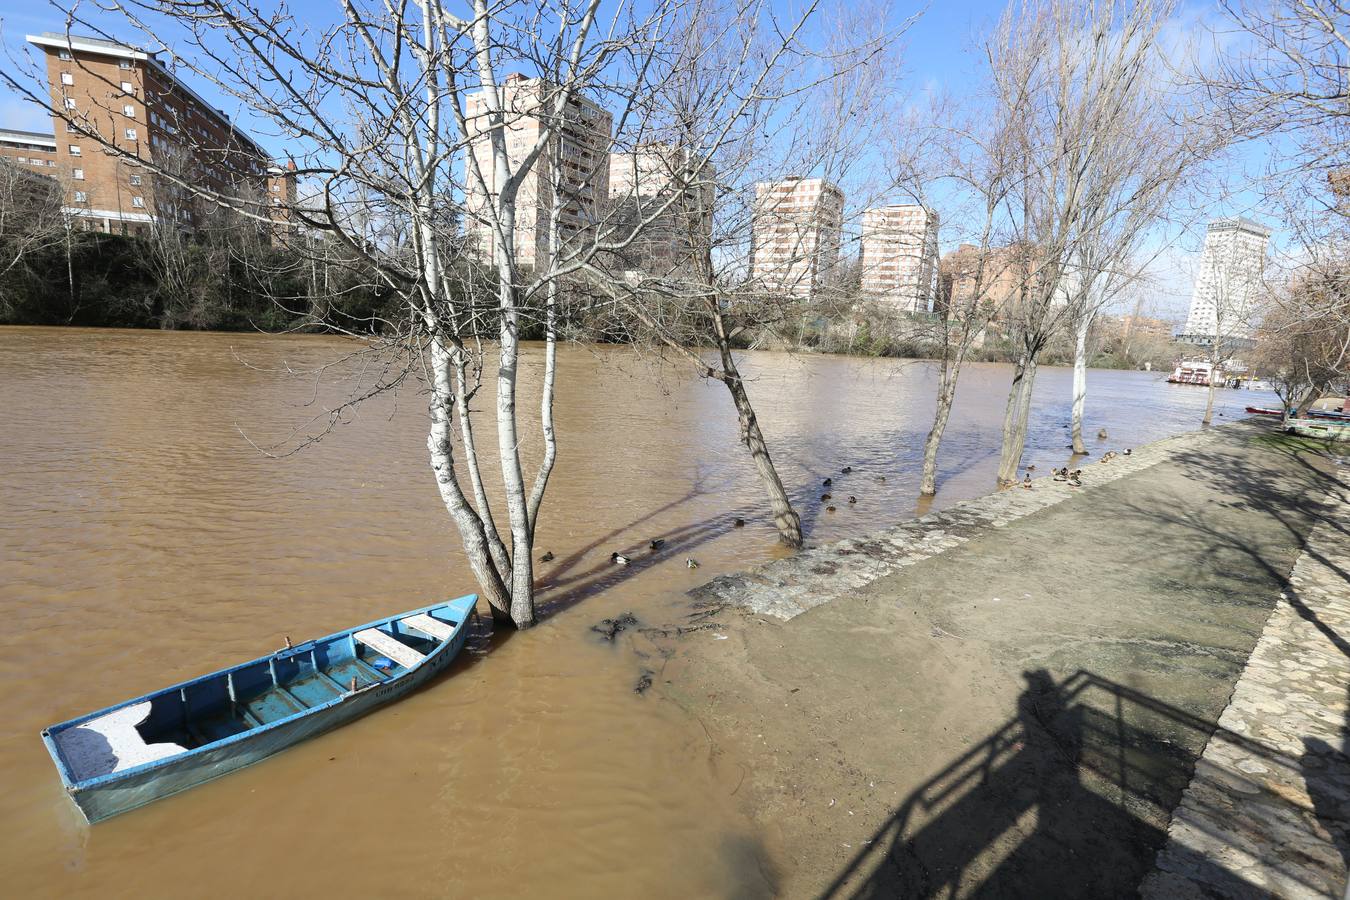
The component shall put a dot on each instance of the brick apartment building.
(899, 256)
(994, 276)
(796, 232)
(585, 163)
(118, 113)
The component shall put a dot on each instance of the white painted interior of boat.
(111, 743)
(399, 652)
(426, 624)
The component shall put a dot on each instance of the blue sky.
(937, 56)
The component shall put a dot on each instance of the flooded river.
(143, 541)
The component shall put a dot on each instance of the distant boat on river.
(127, 755)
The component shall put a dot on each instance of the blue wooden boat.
(138, 751)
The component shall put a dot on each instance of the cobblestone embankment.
(788, 587)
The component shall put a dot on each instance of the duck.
(618, 559)
(1031, 468)
(825, 497)
(547, 557)
(829, 509)
(738, 523)
(881, 479)
(657, 543)
(827, 482)
(852, 499)
(1101, 434)
(1127, 451)
(846, 470)
(691, 563)
(1026, 482)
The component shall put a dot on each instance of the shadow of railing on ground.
(1071, 797)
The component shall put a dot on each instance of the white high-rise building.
(585, 167)
(900, 256)
(795, 244)
(1228, 286)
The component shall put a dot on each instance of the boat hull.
(118, 792)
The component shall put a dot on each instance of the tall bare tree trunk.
(1209, 400)
(500, 557)
(508, 446)
(1080, 383)
(1015, 419)
(785, 518)
(946, 394)
(440, 443)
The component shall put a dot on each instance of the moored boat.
(141, 750)
(1264, 411)
(1319, 428)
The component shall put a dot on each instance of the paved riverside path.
(1009, 699)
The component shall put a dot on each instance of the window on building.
(70, 103)
(131, 134)
(24, 159)
(74, 149)
(77, 174)
(128, 87)
(129, 111)
(135, 181)
(138, 201)
(124, 64)
(64, 54)
(81, 197)
(67, 78)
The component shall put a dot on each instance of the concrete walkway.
(1268, 810)
(1009, 698)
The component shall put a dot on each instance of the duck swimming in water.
(846, 470)
(827, 482)
(547, 557)
(657, 543)
(691, 563)
(618, 559)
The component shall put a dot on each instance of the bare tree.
(31, 220)
(1083, 74)
(1303, 346)
(732, 109)
(976, 154)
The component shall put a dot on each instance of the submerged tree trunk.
(785, 518)
(440, 444)
(951, 370)
(513, 478)
(500, 557)
(1080, 384)
(1015, 419)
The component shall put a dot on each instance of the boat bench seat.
(441, 631)
(390, 646)
(111, 743)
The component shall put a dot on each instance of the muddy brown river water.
(143, 541)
